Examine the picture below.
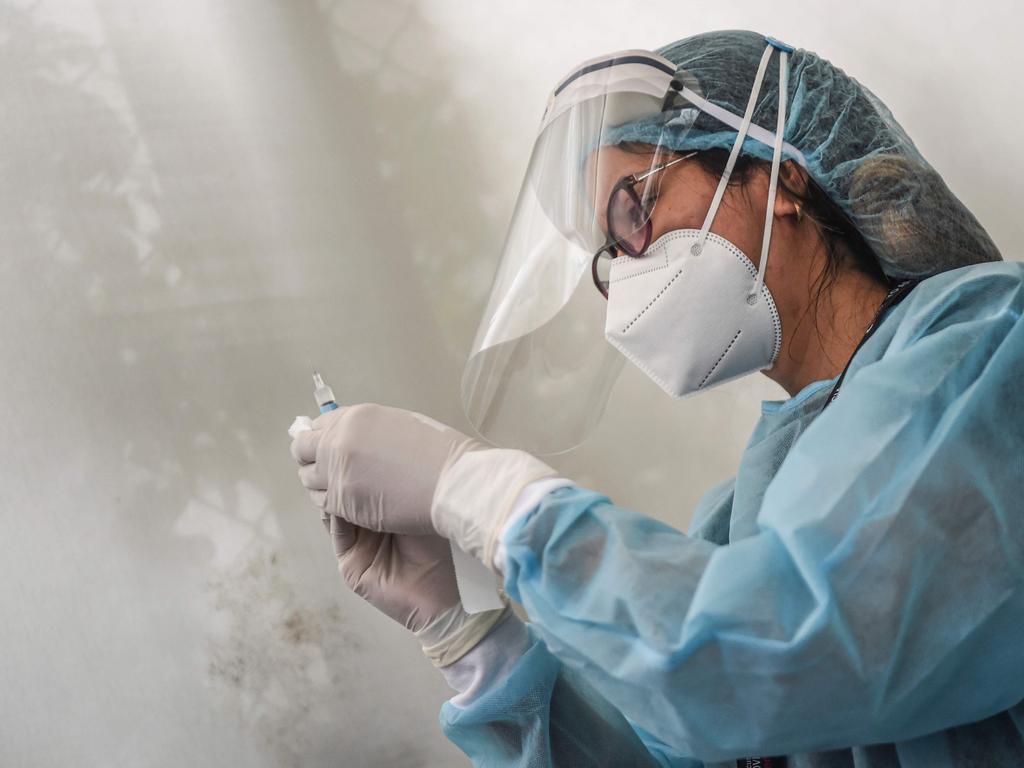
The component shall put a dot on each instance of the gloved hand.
(411, 579)
(377, 467)
(387, 469)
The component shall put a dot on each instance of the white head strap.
(698, 246)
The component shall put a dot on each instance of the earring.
(799, 211)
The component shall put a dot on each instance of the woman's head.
(856, 209)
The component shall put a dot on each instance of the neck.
(825, 332)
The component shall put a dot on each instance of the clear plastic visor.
(540, 371)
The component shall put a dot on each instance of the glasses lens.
(602, 269)
(628, 225)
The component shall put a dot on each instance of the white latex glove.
(411, 579)
(387, 469)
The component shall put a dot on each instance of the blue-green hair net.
(851, 143)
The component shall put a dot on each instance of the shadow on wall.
(187, 256)
(425, 162)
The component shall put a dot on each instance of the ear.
(792, 184)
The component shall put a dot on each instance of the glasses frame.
(615, 244)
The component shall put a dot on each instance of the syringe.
(324, 401)
(476, 584)
(322, 393)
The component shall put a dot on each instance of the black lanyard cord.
(894, 297)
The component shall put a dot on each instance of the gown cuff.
(489, 662)
(476, 491)
(529, 499)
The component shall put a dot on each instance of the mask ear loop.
(773, 184)
(698, 246)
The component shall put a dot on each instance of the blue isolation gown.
(854, 597)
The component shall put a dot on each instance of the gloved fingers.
(344, 535)
(313, 477)
(324, 420)
(304, 446)
(319, 499)
(359, 549)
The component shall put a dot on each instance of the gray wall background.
(200, 200)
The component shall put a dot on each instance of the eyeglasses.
(629, 222)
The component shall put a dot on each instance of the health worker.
(855, 595)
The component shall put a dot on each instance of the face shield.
(540, 371)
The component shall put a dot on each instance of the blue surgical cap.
(850, 143)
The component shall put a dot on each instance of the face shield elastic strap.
(698, 246)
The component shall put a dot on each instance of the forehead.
(606, 166)
(609, 163)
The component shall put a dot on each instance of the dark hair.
(845, 246)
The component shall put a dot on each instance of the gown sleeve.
(882, 596)
(523, 707)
